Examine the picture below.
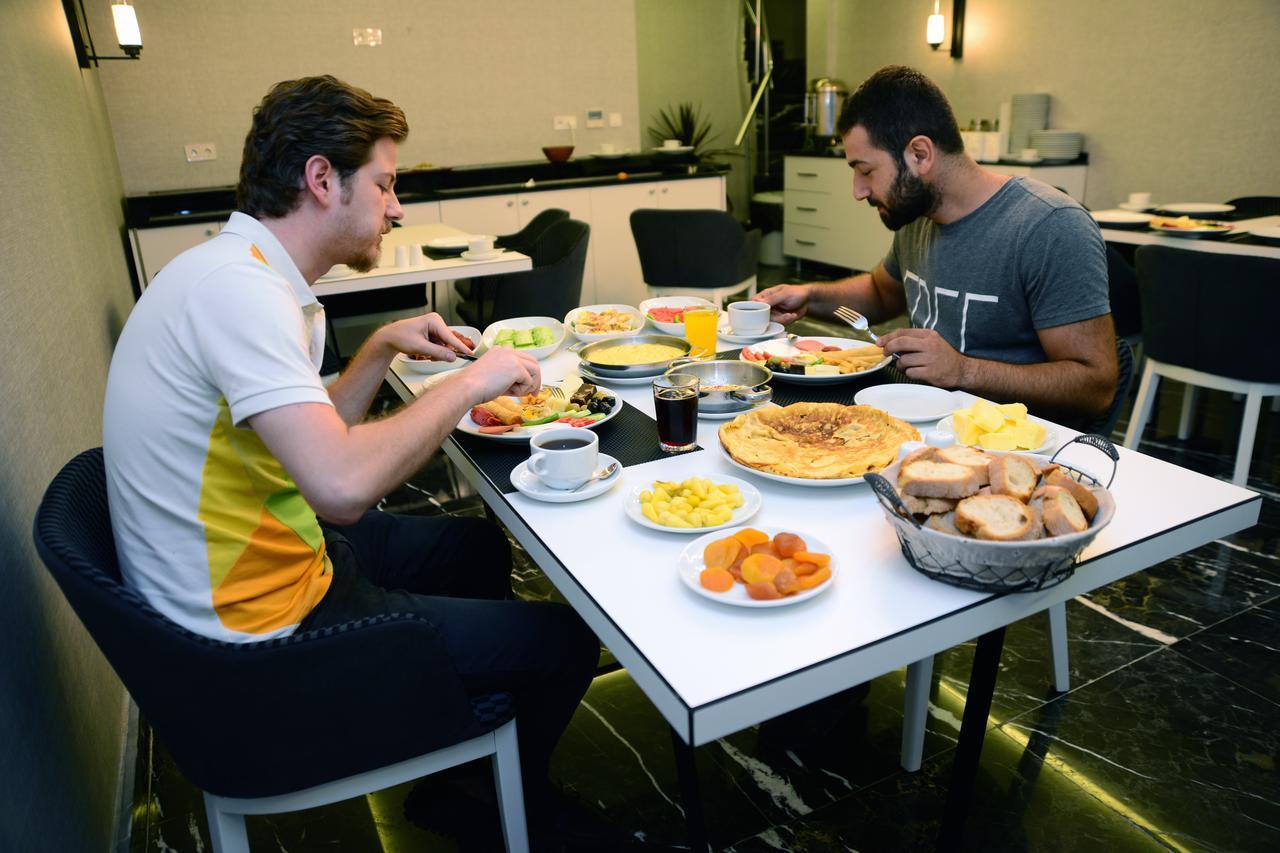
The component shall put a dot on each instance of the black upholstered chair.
(695, 253)
(283, 724)
(521, 241)
(552, 288)
(1208, 319)
(1253, 206)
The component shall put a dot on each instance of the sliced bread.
(928, 479)
(1001, 518)
(971, 457)
(927, 506)
(944, 522)
(919, 454)
(1083, 495)
(1013, 476)
(1061, 513)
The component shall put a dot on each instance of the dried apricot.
(760, 568)
(789, 563)
(721, 553)
(749, 536)
(786, 582)
(788, 544)
(716, 580)
(763, 591)
(816, 559)
(818, 577)
(736, 571)
(765, 548)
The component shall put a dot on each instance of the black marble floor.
(1167, 740)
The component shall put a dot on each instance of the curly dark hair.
(299, 119)
(898, 103)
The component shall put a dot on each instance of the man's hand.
(925, 355)
(427, 335)
(789, 302)
(503, 371)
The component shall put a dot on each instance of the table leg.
(690, 795)
(973, 729)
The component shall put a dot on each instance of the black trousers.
(456, 572)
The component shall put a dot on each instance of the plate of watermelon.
(667, 312)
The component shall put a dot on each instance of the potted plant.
(684, 122)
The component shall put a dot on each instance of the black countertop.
(181, 207)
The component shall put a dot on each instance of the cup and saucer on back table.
(480, 248)
(560, 464)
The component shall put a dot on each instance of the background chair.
(1251, 206)
(283, 724)
(695, 253)
(551, 289)
(520, 241)
(1208, 320)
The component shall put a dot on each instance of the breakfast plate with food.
(750, 567)
(817, 360)
(999, 426)
(1185, 226)
(425, 364)
(666, 313)
(597, 322)
(517, 419)
(694, 505)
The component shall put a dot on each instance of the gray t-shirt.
(1029, 258)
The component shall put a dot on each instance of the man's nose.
(860, 190)
(394, 211)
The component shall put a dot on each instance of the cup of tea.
(748, 318)
(1140, 199)
(565, 457)
(671, 143)
(675, 407)
(480, 244)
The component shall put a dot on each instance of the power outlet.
(568, 122)
(197, 151)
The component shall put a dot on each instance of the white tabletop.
(424, 273)
(1220, 245)
(713, 669)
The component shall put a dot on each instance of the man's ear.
(920, 155)
(321, 181)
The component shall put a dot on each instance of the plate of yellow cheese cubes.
(999, 426)
(695, 505)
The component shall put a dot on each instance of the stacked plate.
(1029, 113)
(1057, 144)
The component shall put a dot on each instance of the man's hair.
(898, 103)
(302, 118)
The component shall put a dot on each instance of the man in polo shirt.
(240, 486)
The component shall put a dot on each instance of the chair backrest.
(1122, 281)
(693, 248)
(553, 287)
(529, 234)
(1210, 311)
(1124, 381)
(1251, 206)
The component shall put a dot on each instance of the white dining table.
(1216, 244)
(712, 669)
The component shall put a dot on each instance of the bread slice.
(919, 454)
(1062, 515)
(1001, 518)
(944, 522)
(927, 479)
(971, 457)
(927, 506)
(1037, 523)
(1083, 495)
(1012, 475)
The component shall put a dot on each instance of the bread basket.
(996, 566)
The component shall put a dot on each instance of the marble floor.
(1167, 740)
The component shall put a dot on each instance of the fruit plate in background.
(751, 503)
(691, 564)
(521, 323)
(672, 328)
(947, 426)
(429, 366)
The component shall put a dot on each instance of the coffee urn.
(822, 104)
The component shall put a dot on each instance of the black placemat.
(631, 437)
(436, 255)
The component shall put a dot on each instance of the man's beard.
(361, 256)
(909, 198)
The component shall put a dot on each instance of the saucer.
(1136, 208)
(527, 484)
(480, 256)
(770, 331)
(679, 149)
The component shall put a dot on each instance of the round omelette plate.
(691, 565)
(947, 427)
(783, 347)
(795, 481)
(751, 503)
(522, 434)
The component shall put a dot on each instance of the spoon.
(602, 474)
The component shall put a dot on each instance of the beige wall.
(479, 82)
(1174, 97)
(66, 293)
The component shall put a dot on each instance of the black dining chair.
(520, 241)
(552, 288)
(1252, 206)
(283, 724)
(695, 253)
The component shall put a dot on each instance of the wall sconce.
(937, 26)
(128, 35)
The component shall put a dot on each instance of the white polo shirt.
(209, 527)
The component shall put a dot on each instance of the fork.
(556, 391)
(853, 318)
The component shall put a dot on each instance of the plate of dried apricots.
(757, 567)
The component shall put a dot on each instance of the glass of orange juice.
(700, 331)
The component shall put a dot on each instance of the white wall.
(1176, 97)
(479, 81)
(66, 293)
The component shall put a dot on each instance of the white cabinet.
(1069, 179)
(821, 220)
(421, 213)
(155, 247)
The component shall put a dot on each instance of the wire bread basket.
(1023, 566)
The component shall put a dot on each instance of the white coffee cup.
(480, 244)
(402, 256)
(565, 457)
(671, 143)
(416, 256)
(606, 147)
(1140, 199)
(748, 318)
(1029, 154)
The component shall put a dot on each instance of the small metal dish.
(586, 351)
(750, 379)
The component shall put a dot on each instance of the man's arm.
(342, 469)
(877, 295)
(1079, 377)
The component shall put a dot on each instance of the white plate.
(615, 380)
(691, 565)
(676, 329)
(637, 321)
(524, 433)
(725, 332)
(1198, 231)
(455, 243)
(528, 484)
(1137, 208)
(751, 502)
(517, 323)
(947, 426)
(429, 367)
(679, 149)
(1120, 217)
(915, 404)
(1192, 208)
(795, 481)
(783, 347)
(1266, 232)
(481, 256)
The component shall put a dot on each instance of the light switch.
(615, 119)
(197, 151)
(595, 118)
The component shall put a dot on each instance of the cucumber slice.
(524, 338)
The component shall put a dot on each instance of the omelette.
(816, 441)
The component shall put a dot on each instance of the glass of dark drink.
(675, 404)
